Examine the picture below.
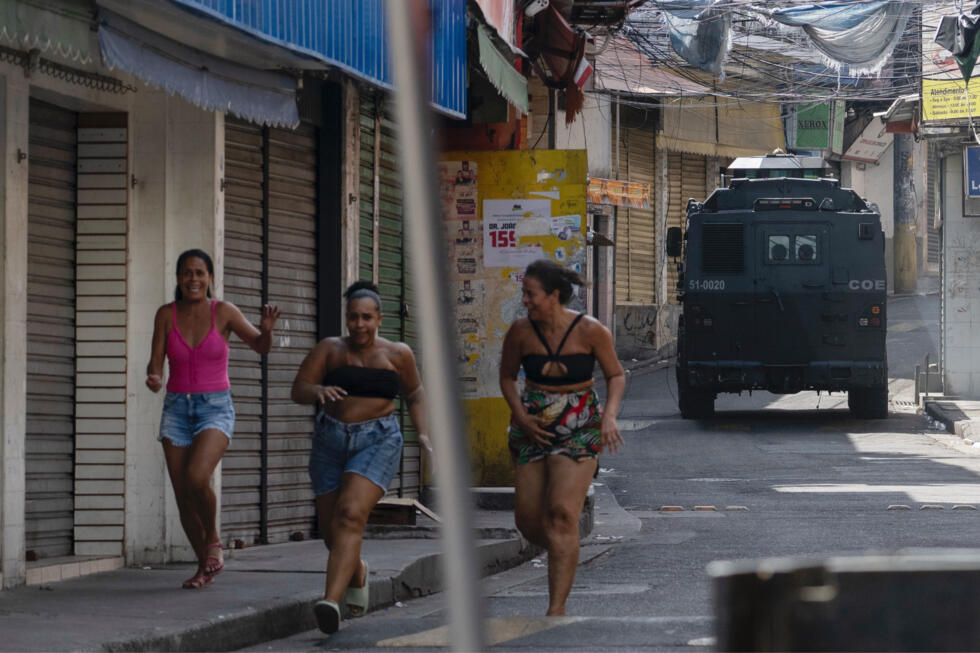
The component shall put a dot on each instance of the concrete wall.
(591, 132)
(13, 324)
(875, 183)
(961, 287)
(177, 157)
(646, 331)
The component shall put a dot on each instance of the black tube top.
(572, 368)
(364, 381)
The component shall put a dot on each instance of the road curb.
(290, 615)
(961, 427)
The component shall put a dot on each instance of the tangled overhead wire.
(773, 62)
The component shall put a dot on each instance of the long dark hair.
(360, 289)
(193, 253)
(554, 277)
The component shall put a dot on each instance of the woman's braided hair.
(554, 277)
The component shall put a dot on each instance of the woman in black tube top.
(357, 443)
(557, 427)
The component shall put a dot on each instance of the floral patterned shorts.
(573, 417)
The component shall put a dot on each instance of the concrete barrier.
(915, 601)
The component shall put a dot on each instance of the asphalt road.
(809, 479)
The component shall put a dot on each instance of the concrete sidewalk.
(265, 592)
(959, 416)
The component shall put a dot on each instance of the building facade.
(133, 131)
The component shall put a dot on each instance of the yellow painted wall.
(489, 295)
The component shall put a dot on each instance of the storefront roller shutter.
(636, 255)
(688, 175)
(241, 467)
(270, 229)
(382, 239)
(932, 190)
(50, 431)
(292, 165)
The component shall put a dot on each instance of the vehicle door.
(793, 274)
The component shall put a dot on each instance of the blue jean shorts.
(186, 415)
(371, 449)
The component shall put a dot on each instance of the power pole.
(906, 264)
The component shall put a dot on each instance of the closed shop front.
(383, 258)
(688, 178)
(50, 441)
(270, 257)
(636, 252)
(933, 217)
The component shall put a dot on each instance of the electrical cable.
(547, 124)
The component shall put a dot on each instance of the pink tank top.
(200, 369)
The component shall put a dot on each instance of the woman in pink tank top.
(198, 416)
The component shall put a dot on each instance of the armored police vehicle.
(782, 284)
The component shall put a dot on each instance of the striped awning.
(55, 28)
(205, 81)
(501, 72)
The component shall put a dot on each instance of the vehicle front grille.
(724, 248)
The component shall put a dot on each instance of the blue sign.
(973, 172)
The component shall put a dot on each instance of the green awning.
(509, 83)
(55, 27)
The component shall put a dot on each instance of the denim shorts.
(186, 415)
(371, 449)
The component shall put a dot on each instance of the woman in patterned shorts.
(557, 427)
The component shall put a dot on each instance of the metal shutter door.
(381, 203)
(241, 468)
(292, 172)
(50, 437)
(932, 189)
(636, 254)
(676, 215)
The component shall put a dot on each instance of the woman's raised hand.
(270, 314)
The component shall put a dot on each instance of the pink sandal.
(213, 564)
(198, 580)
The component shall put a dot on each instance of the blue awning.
(350, 35)
(203, 80)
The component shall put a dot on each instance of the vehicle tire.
(694, 403)
(868, 403)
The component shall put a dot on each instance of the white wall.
(591, 131)
(13, 324)
(961, 305)
(875, 183)
(177, 157)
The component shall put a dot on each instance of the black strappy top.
(364, 381)
(578, 367)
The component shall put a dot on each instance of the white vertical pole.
(408, 33)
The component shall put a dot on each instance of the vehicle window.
(778, 248)
(806, 248)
